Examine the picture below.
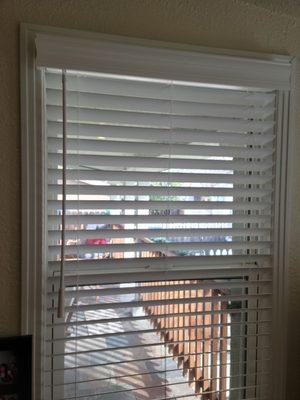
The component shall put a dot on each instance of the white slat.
(210, 262)
(165, 191)
(158, 219)
(158, 90)
(162, 247)
(152, 163)
(152, 233)
(133, 319)
(151, 134)
(109, 117)
(139, 176)
(134, 304)
(55, 205)
(155, 150)
(125, 103)
(159, 289)
(84, 276)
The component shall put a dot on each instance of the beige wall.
(258, 25)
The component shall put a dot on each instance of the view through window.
(163, 177)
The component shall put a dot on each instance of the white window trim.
(32, 176)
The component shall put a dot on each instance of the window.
(162, 180)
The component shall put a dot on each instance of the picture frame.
(16, 368)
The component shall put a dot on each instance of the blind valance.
(152, 59)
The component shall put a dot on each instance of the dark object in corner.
(15, 368)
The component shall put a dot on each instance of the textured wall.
(258, 25)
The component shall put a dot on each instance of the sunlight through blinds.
(168, 239)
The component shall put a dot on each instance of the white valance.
(114, 55)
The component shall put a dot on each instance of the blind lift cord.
(61, 291)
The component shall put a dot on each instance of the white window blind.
(169, 238)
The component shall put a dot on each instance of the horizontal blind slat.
(157, 232)
(104, 321)
(165, 135)
(128, 375)
(54, 250)
(115, 147)
(159, 90)
(160, 219)
(232, 310)
(139, 104)
(78, 161)
(120, 118)
(88, 276)
(169, 329)
(142, 176)
(142, 303)
(55, 205)
(104, 291)
(250, 348)
(171, 262)
(166, 191)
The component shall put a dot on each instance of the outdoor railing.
(195, 333)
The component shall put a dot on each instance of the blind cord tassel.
(61, 291)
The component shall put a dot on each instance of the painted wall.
(256, 25)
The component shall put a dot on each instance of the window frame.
(32, 148)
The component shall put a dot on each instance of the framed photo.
(15, 368)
